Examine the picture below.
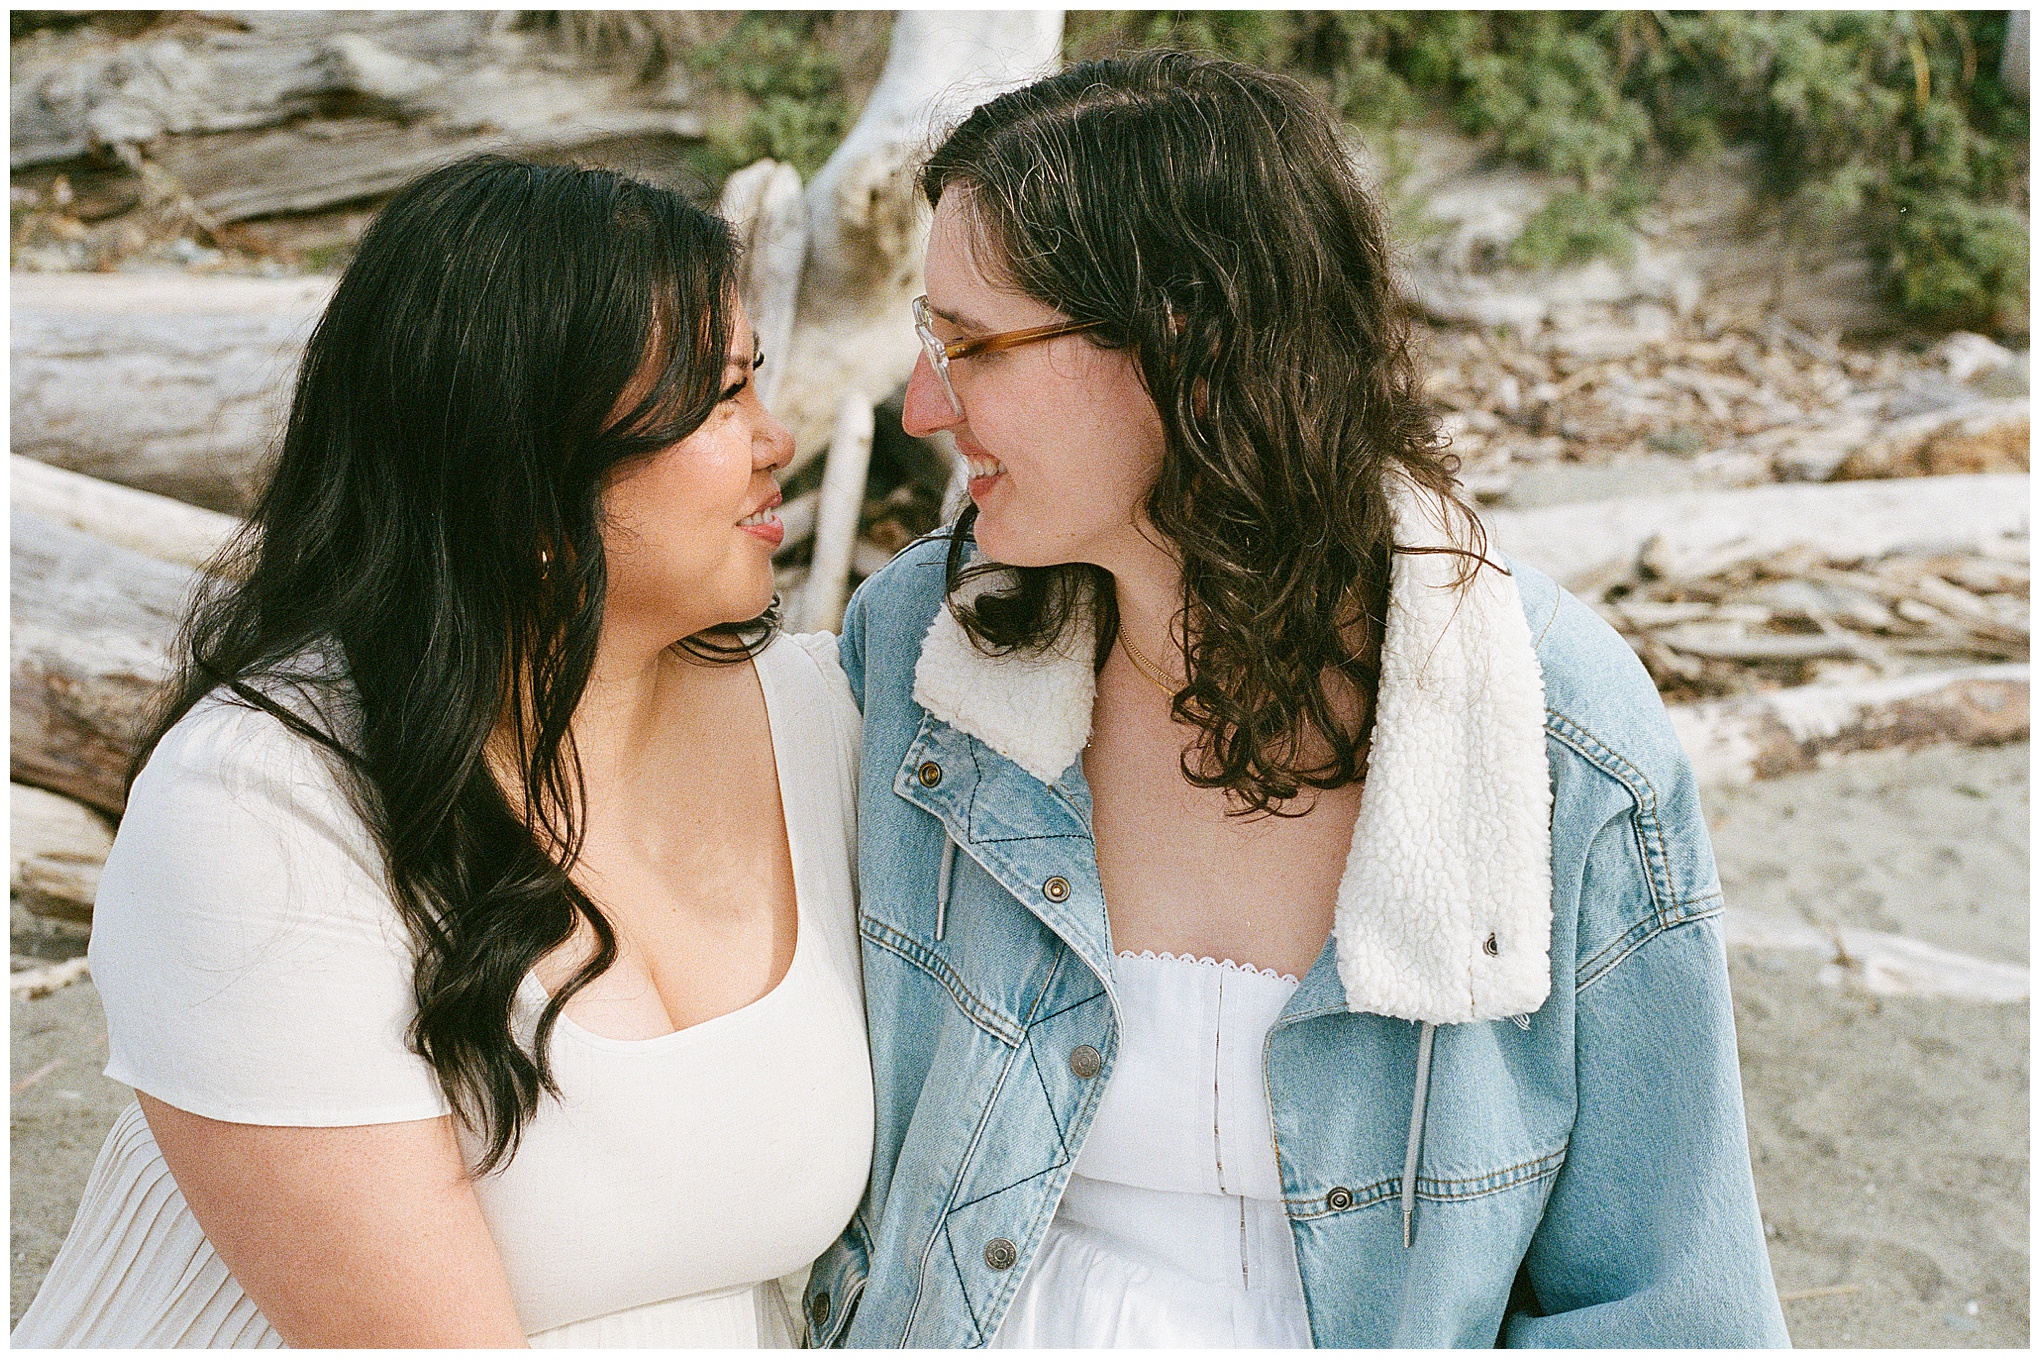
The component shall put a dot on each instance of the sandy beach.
(1889, 1134)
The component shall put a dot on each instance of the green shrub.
(797, 110)
(1892, 126)
(1571, 229)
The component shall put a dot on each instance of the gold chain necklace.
(1149, 671)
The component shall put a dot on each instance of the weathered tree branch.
(1591, 542)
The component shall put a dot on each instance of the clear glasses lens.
(938, 353)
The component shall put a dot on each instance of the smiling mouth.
(762, 515)
(981, 465)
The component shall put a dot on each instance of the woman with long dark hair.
(1286, 921)
(479, 936)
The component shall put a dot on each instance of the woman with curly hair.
(479, 939)
(1286, 922)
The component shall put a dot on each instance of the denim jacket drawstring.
(942, 883)
(1418, 1097)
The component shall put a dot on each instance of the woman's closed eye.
(736, 389)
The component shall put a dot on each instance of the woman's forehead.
(967, 283)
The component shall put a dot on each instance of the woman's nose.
(772, 442)
(926, 408)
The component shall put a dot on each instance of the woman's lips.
(763, 523)
(771, 530)
(983, 470)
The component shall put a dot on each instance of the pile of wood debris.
(1803, 616)
(1709, 404)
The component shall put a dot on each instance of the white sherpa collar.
(1444, 910)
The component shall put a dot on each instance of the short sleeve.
(250, 960)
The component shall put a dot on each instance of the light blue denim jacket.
(1548, 1152)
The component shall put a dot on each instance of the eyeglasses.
(941, 352)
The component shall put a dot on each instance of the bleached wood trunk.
(763, 201)
(56, 847)
(153, 525)
(166, 383)
(867, 223)
(94, 627)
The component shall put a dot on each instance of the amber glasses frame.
(941, 352)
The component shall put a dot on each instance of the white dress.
(253, 970)
(1171, 1232)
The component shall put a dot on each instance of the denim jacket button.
(1085, 1062)
(999, 1253)
(929, 774)
(1490, 948)
(818, 1310)
(1056, 889)
(1340, 1199)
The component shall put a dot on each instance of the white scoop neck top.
(252, 970)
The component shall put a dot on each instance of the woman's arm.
(1651, 1235)
(367, 1236)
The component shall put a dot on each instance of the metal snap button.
(930, 774)
(999, 1253)
(1340, 1199)
(1490, 948)
(818, 1310)
(1056, 889)
(1085, 1062)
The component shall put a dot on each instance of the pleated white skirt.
(137, 1273)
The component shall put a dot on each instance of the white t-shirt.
(253, 970)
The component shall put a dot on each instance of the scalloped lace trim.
(1228, 964)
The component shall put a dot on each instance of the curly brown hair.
(1203, 214)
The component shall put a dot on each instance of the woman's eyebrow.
(961, 322)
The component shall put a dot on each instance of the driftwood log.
(1967, 436)
(70, 95)
(153, 525)
(166, 383)
(1760, 736)
(94, 631)
(1584, 544)
(56, 848)
(1884, 964)
(325, 108)
(313, 166)
(35, 982)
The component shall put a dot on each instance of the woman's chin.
(996, 540)
(743, 605)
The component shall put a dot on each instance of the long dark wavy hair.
(433, 525)
(1202, 214)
